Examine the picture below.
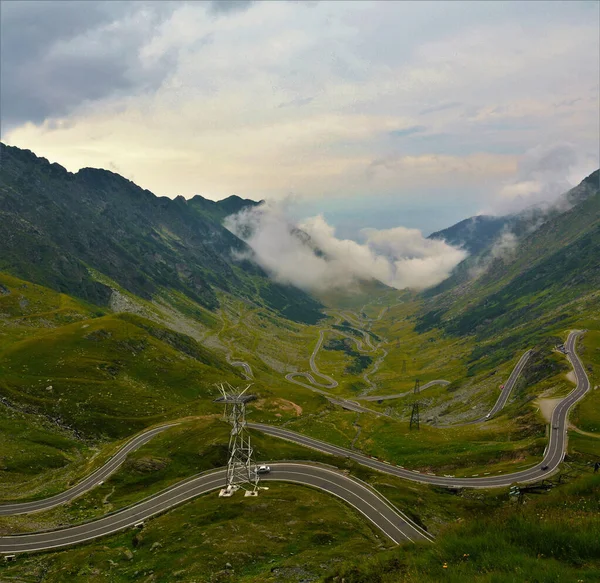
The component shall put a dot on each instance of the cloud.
(542, 177)
(195, 97)
(58, 56)
(503, 247)
(225, 6)
(398, 257)
(440, 107)
(407, 131)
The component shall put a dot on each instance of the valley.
(109, 367)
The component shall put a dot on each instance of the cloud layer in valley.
(310, 256)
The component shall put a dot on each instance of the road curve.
(357, 407)
(87, 483)
(498, 405)
(367, 501)
(389, 520)
(501, 401)
(247, 368)
(552, 458)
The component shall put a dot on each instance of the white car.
(263, 469)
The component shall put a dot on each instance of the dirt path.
(547, 407)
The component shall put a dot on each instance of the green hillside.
(142, 242)
(99, 375)
(546, 283)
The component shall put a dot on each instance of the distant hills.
(69, 231)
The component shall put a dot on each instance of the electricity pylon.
(404, 367)
(414, 416)
(240, 470)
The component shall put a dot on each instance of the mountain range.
(142, 242)
(100, 246)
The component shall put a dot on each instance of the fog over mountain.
(398, 257)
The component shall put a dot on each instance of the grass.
(260, 538)
(411, 355)
(196, 445)
(79, 349)
(553, 537)
(199, 444)
(31, 450)
(586, 415)
(105, 377)
(294, 533)
(492, 447)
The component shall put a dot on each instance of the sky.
(372, 115)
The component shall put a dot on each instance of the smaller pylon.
(404, 367)
(414, 416)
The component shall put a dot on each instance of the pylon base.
(226, 493)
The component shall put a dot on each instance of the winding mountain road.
(400, 395)
(368, 502)
(371, 504)
(552, 458)
(87, 483)
(351, 405)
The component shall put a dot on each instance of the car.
(263, 469)
(544, 467)
(488, 416)
(501, 386)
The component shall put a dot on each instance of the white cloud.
(544, 174)
(398, 257)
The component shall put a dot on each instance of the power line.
(414, 416)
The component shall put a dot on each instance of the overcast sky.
(374, 114)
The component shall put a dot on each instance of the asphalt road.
(508, 386)
(502, 398)
(368, 502)
(553, 457)
(372, 505)
(87, 483)
(498, 405)
(245, 366)
(400, 395)
(357, 407)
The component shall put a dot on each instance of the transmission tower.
(414, 416)
(240, 470)
(404, 367)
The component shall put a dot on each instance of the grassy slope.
(587, 414)
(94, 378)
(554, 537)
(299, 533)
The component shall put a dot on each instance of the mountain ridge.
(143, 242)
